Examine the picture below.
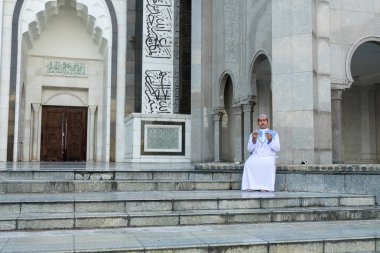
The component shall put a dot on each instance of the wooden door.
(64, 133)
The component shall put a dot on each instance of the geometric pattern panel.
(163, 138)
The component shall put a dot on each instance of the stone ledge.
(333, 168)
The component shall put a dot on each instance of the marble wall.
(241, 29)
(29, 28)
(309, 45)
(350, 22)
(353, 23)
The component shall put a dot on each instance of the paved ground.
(200, 237)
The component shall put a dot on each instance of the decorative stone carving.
(159, 73)
(232, 26)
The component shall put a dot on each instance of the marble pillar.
(248, 125)
(336, 118)
(238, 134)
(217, 133)
(201, 94)
(295, 99)
(91, 112)
(35, 131)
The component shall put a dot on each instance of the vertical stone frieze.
(158, 28)
(231, 30)
(157, 94)
(158, 59)
(232, 39)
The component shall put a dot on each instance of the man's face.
(262, 122)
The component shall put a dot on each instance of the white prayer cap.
(263, 115)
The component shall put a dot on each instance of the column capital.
(219, 110)
(248, 107)
(92, 108)
(36, 107)
(251, 99)
(238, 109)
(218, 113)
(336, 94)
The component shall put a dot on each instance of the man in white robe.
(260, 168)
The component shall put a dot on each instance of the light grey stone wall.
(351, 24)
(350, 183)
(323, 123)
(201, 92)
(296, 81)
(240, 29)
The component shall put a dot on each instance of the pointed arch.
(222, 85)
(261, 91)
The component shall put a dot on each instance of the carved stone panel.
(158, 56)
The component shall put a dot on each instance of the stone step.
(50, 186)
(95, 220)
(110, 175)
(324, 237)
(172, 201)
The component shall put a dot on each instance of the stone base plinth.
(157, 138)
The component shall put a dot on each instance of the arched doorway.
(64, 70)
(227, 123)
(361, 106)
(261, 85)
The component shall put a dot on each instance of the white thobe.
(260, 168)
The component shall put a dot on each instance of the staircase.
(149, 208)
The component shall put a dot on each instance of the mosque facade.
(184, 80)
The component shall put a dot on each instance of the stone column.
(336, 123)
(91, 145)
(35, 131)
(248, 121)
(217, 133)
(201, 94)
(295, 99)
(238, 134)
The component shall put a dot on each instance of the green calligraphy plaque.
(66, 68)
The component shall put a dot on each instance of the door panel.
(52, 129)
(64, 133)
(76, 134)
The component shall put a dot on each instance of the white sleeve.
(275, 143)
(250, 145)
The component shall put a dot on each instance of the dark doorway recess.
(64, 133)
